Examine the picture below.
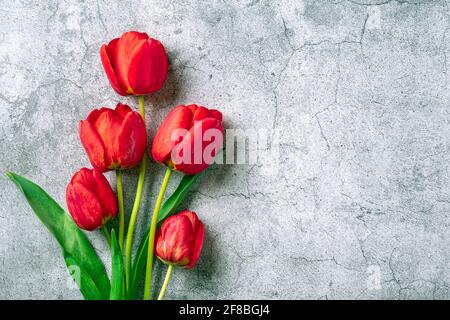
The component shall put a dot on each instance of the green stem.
(151, 241)
(107, 235)
(166, 282)
(136, 205)
(141, 106)
(121, 208)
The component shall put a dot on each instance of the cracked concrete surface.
(358, 90)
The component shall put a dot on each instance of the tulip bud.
(90, 199)
(180, 239)
(189, 138)
(114, 139)
(134, 63)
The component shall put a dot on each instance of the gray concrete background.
(359, 92)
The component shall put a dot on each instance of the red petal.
(131, 141)
(93, 115)
(200, 114)
(107, 54)
(216, 114)
(191, 215)
(125, 46)
(179, 118)
(197, 243)
(159, 245)
(108, 126)
(178, 236)
(93, 145)
(111, 50)
(147, 67)
(105, 195)
(192, 108)
(84, 207)
(123, 109)
(85, 177)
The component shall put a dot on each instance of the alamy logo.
(250, 146)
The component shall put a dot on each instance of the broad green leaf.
(82, 278)
(76, 247)
(168, 208)
(117, 283)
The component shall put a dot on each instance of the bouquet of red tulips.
(116, 139)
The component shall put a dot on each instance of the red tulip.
(90, 199)
(189, 138)
(114, 139)
(134, 63)
(180, 239)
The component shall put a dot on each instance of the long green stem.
(151, 241)
(121, 208)
(166, 282)
(136, 205)
(107, 235)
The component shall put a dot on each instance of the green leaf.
(172, 203)
(137, 270)
(77, 249)
(81, 277)
(168, 208)
(117, 283)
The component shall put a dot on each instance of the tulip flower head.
(189, 138)
(135, 64)
(180, 239)
(114, 139)
(90, 199)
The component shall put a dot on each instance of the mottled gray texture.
(359, 92)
